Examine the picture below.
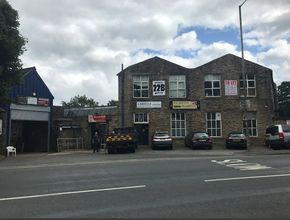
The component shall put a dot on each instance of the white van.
(278, 136)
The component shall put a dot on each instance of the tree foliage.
(112, 103)
(12, 46)
(80, 102)
(284, 98)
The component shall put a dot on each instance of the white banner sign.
(158, 88)
(148, 104)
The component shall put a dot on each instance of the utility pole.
(244, 106)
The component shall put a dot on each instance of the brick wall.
(228, 67)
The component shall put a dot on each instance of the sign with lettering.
(158, 88)
(245, 104)
(231, 87)
(185, 105)
(97, 118)
(149, 104)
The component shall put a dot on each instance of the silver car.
(161, 139)
(278, 136)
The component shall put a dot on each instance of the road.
(160, 185)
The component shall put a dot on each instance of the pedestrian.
(95, 141)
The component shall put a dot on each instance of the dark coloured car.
(198, 140)
(236, 140)
(161, 139)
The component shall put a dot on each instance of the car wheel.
(210, 147)
(192, 147)
(170, 148)
(110, 151)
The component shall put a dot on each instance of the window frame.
(144, 116)
(143, 83)
(177, 82)
(215, 122)
(248, 81)
(252, 124)
(210, 78)
(178, 124)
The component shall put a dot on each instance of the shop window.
(212, 85)
(213, 124)
(141, 86)
(177, 86)
(178, 124)
(250, 82)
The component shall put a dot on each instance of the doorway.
(143, 137)
(29, 136)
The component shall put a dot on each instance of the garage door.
(29, 113)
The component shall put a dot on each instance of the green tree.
(112, 103)
(12, 46)
(80, 102)
(284, 98)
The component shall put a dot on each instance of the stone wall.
(228, 67)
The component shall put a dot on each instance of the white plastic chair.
(11, 149)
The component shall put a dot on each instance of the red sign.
(97, 118)
(42, 101)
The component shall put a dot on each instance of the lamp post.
(244, 106)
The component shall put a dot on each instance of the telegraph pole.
(244, 106)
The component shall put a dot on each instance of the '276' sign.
(158, 88)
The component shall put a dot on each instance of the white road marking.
(241, 164)
(247, 177)
(73, 192)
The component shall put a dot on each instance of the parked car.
(236, 139)
(278, 136)
(198, 140)
(161, 139)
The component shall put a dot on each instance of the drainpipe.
(122, 97)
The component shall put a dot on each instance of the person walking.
(95, 141)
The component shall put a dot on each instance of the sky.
(78, 46)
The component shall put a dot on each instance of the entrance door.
(29, 136)
(142, 130)
(102, 130)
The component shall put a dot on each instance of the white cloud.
(78, 46)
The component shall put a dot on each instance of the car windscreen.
(161, 134)
(237, 135)
(200, 135)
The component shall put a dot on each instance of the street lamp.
(245, 117)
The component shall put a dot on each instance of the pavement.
(177, 150)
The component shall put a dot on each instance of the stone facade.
(78, 127)
(227, 107)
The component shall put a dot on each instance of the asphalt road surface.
(157, 185)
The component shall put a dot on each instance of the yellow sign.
(185, 105)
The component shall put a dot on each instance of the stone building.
(80, 124)
(159, 95)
